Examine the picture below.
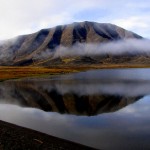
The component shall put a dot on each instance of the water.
(105, 109)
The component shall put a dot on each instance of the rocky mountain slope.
(39, 48)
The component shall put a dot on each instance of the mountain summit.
(29, 49)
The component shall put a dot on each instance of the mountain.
(40, 48)
(47, 96)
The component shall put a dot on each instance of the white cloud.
(129, 46)
(134, 23)
(131, 22)
(21, 17)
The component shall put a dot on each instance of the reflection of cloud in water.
(111, 88)
(114, 74)
(140, 108)
(128, 82)
(126, 128)
(88, 87)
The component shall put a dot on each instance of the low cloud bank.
(128, 46)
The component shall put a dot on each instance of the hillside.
(40, 48)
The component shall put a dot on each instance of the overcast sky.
(27, 16)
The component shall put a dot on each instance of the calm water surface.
(105, 109)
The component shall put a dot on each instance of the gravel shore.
(13, 137)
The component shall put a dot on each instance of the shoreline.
(14, 72)
(15, 137)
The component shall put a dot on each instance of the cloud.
(132, 22)
(129, 46)
(22, 17)
(135, 23)
(120, 47)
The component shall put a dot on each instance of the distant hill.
(32, 49)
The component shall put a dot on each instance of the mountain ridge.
(25, 49)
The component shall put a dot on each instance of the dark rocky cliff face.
(25, 49)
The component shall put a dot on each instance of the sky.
(19, 17)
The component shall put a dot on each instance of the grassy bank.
(7, 72)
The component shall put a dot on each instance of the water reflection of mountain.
(52, 96)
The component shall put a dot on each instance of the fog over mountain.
(77, 43)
